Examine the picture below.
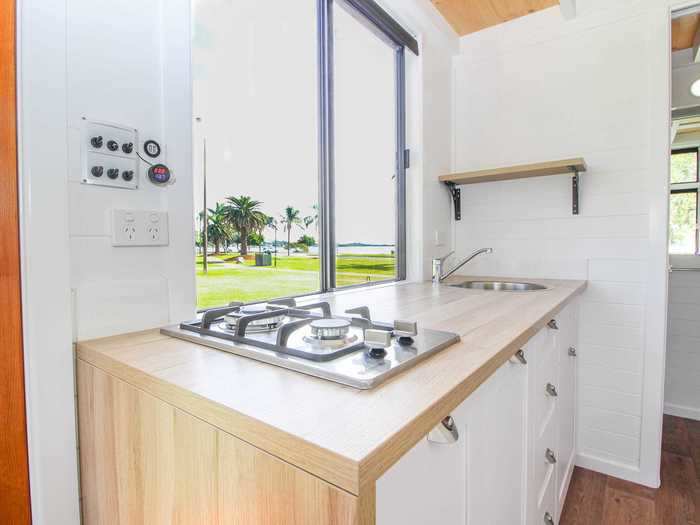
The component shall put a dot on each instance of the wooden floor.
(596, 499)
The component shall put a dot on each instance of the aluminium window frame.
(676, 188)
(391, 32)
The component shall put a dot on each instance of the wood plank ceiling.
(683, 31)
(469, 16)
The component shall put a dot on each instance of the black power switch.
(96, 142)
(97, 171)
(128, 175)
(113, 173)
(128, 147)
(112, 145)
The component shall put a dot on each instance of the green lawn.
(228, 281)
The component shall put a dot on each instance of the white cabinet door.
(496, 448)
(566, 453)
(427, 485)
(480, 478)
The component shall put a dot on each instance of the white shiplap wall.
(683, 354)
(540, 88)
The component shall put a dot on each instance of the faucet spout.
(439, 275)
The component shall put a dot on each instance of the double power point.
(139, 228)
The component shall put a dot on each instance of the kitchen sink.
(500, 286)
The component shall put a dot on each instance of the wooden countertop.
(346, 436)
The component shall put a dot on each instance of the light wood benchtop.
(345, 436)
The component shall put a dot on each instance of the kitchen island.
(175, 432)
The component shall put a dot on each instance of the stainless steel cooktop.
(351, 349)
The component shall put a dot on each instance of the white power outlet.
(139, 228)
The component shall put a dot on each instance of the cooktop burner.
(351, 349)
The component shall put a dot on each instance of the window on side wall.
(683, 210)
(299, 147)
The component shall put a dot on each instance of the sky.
(255, 103)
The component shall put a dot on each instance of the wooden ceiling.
(469, 16)
(683, 31)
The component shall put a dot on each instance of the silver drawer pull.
(520, 356)
(445, 433)
(572, 351)
(551, 458)
(552, 390)
(553, 324)
(548, 520)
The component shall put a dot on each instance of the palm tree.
(243, 213)
(272, 224)
(289, 219)
(308, 221)
(219, 229)
(315, 215)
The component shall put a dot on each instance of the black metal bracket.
(456, 199)
(575, 183)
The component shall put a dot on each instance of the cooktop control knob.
(112, 145)
(128, 147)
(128, 175)
(377, 341)
(113, 173)
(97, 171)
(405, 331)
(96, 142)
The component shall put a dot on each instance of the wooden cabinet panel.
(146, 462)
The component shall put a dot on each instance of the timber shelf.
(573, 166)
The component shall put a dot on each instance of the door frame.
(15, 503)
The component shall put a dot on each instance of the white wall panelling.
(141, 81)
(46, 300)
(539, 88)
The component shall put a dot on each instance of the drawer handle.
(552, 390)
(520, 356)
(445, 433)
(553, 324)
(548, 520)
(572, 351)
(549, 454)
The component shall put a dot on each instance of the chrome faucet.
(438, 263)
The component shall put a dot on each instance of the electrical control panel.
(109, 154)
(140, 228)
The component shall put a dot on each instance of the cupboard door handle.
(445, 433)
(549, 454)
(548, 520)
(552, 390)
(553, 324)
(520, 356)
(572, 351)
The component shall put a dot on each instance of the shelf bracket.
(575, 183)
(456, 199)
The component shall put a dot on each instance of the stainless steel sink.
(500, 286)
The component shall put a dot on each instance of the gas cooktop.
(351, 349)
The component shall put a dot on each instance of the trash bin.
(263, 259)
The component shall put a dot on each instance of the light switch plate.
(103, 159)
(140, 228)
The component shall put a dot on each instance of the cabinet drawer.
(545, 384)
(542, 467)
(546, 502)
